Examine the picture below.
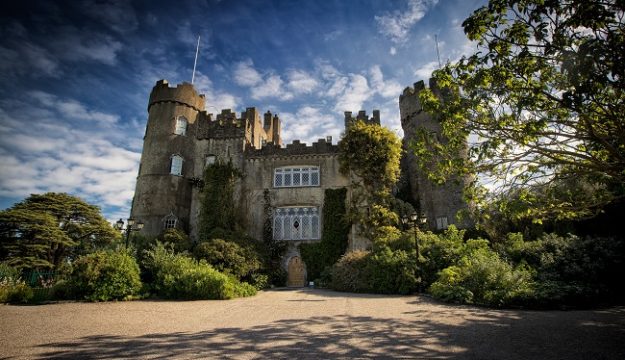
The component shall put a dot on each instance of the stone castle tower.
(440, 203)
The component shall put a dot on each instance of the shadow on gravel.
(455, 332)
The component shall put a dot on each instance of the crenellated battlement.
(362, 116)
(320, 147)
(184, 94)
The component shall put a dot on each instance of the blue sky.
(76, 76)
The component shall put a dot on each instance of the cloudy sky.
(76, 75)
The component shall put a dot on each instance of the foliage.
(178, 238)
(383, 272)
(544, 98)
(218, 215)
(229, 257)
(440, 251)
(350, 273)
(274, 249)
(45, 230)
(482, 277)
(320, 255)
(569, 269)
(371, 152)
(177, 276)
(392, 272)
(15, 291)
(12, 288)
(106, 275)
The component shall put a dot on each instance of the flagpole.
(197, 49)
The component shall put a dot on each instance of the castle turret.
(164, 190)
(362, 116)
(440, 203)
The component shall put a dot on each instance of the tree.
(543, 101)
(371, 153)
(43, 230)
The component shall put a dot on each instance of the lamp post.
(417, 222)
(132, 226)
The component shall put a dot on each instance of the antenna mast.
(197, 49)
(438, 55)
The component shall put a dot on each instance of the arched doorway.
(295, 269)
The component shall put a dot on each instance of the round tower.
(163, 192)
(440, 203)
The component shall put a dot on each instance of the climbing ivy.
(218, 215)
(333, 244)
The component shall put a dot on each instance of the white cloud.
(215, 101)
(301, 82)
(246, 75)
(56, 153)
(425, 71)
(354, 94)
(386, 89)
(271, 87)
(397, 25)
(392, 51)
(310, 124)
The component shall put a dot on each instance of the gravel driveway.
(306, 324)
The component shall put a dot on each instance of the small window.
(170, 221)
(181, 126)
(210, 159)
(441, 223)
(296, 176)
(176, 165)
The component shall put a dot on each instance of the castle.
(181, 139)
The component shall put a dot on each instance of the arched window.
(176, 165)
(296, 223)
(296, 176)
(181, 126)
(170, 221)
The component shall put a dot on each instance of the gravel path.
(306, 324)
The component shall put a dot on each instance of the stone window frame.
(170, 221)
(176, 162)
(181, 125)
(296, 223)
(285, 176)
(442, 222)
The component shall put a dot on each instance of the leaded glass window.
(176, 165)
(296, 176)
(296, 223)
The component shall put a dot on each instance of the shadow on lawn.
(446, 332)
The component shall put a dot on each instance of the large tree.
(543, 103)
(44, 230)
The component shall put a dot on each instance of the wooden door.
(295, 272)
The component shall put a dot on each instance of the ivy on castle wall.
(218, 215)
(372, 153)
(318, 256)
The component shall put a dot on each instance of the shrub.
(569, 269)
(383, 272)
(106, 275)
(177, 238)
(177, 276)
(439, 252)
(15, 291)
(482, 277)
(350, 272)
(392, 272)
(229, 257)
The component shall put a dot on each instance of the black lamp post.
(417, 222)
(132, 226)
